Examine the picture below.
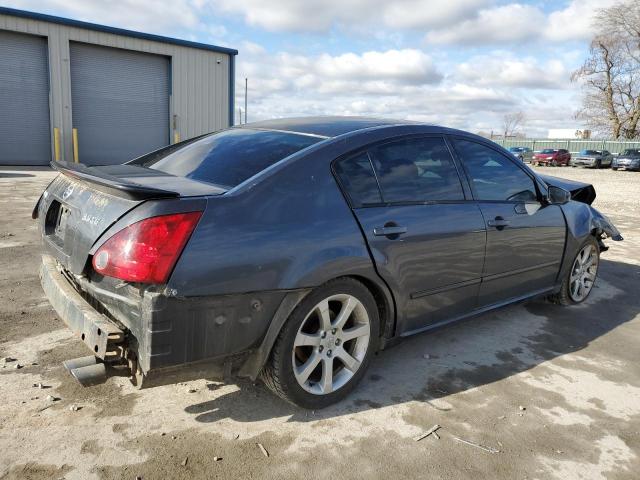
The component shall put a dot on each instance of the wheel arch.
(383, 297)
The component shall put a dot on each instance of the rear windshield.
(590, 152)
(631, 153)
(230, 157)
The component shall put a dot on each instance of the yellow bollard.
(176, 136)
(56, 144)
(74, 134)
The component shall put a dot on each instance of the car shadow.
(15, 175)
(429, 367)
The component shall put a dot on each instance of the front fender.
(582, 221)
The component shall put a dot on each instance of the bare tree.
(611, 75)
(511, 122)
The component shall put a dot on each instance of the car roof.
(326, 126)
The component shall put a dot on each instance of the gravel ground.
(537, 391)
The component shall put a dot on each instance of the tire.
(615, 169)
(598, 164)
(568, 294)
(304, 341)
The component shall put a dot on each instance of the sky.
(458, 63)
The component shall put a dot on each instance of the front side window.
(230, 157)
(358, 180)
(494, 176)
(416, 170)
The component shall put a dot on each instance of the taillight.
(146, 251)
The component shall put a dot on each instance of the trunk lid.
(83, 202)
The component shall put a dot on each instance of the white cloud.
(501, 69)
(375, 72)
(319, 15)
(504, 24)
(429, 13)
(516, 23)
(157, 17)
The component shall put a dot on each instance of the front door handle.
(389, 231)
(498, 222)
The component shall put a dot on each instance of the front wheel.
(325, 346)
(579, 282)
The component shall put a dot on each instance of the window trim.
(534, 179)
(466, 191)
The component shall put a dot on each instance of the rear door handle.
(388, 231)
(498, 223)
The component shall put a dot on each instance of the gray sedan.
(592, 158)
(292, 250)
(524, 154)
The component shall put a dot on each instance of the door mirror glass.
(557, 195)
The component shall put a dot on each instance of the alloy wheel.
(331, 344)
(583, 273)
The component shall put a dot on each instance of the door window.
(416, 170)
(357, 178)
(494, 176)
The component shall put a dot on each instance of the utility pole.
(246, 82)
(239, 115)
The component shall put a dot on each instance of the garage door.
(25, 138)
(120, 103)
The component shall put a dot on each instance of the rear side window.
(417, 170)
(230, 157)
(357, 178)
(494, 176)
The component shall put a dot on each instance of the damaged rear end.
(112, 236)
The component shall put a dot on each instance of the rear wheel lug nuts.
(333, 331)
(320, 348)
(328, 353)
(337, 342)
(323, 334)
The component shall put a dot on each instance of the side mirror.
(557, 195)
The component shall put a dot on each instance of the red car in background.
(551, 156)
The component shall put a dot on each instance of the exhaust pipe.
(87, 371)
(80, 362)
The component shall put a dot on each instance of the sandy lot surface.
(545, 391)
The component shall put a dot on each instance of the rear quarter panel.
(293, 229)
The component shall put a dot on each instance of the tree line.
(610, 76)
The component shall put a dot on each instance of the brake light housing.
(146, 251)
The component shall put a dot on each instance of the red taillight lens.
(146, 251)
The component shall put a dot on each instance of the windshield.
(549, 150)
(516, 149)
(590, 152)
(632, 152)
(230, 157)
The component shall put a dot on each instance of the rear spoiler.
(111, 184)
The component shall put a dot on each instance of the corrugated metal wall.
(118, 94)
(200, 78)
(24, 99)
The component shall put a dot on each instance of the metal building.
(72, 90)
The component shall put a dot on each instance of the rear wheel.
(579, 282)
(325, 346)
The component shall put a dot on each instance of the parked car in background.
(552, 156)
(592, 158)
(294, 249)
(627, 160)
(524, 154)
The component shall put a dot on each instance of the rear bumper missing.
(167, 339)
(101, 335)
